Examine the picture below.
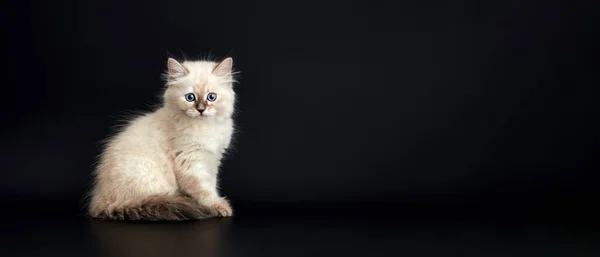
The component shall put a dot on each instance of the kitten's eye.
(211, 97)
(190, 97)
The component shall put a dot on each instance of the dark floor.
(256, 232)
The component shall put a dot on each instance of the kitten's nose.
(201, 110)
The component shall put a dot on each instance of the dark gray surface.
(287, 236)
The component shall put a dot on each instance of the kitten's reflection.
(204, 238)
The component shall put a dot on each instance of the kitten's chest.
(211, 137)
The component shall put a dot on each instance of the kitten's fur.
(164, 165)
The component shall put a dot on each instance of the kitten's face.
(200, 89)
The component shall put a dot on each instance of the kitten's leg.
(196, 176)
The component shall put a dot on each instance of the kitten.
(164, 165)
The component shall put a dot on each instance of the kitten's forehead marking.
(201, 87)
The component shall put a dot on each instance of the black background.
(344, 107)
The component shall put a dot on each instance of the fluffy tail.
(159, 208)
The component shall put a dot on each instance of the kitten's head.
(200, 89)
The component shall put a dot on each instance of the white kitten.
(164, 165)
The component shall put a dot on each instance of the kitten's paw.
(222, 208)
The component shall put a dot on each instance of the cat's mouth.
(202, 116)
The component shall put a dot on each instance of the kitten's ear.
(176, 70)
(224, 68)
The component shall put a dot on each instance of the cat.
(164, 165)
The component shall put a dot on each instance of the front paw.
(222, 208)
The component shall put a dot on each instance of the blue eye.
(211, 97)
(190, 97)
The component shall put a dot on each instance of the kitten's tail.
(160, 208)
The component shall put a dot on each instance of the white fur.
(165, 151)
